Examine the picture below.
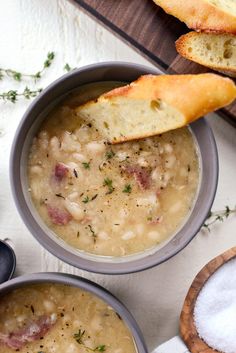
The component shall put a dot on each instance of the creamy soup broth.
(49, 318)
(110, 200)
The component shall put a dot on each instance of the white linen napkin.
(175, 345)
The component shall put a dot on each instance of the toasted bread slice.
(156, 104)
(216, 51)
(203, 15)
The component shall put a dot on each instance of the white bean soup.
(110, 200)
(49, 318)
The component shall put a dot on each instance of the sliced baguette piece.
(203, 15)
(156, 104)
(216, 51)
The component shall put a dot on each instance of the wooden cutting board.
(151, 31)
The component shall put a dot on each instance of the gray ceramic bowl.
(85, 285)
(110, 71)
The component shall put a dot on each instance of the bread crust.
(152, 105)
(200, 15)
(182, 48)
(192, 95)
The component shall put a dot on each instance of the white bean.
(21, 318)
(148, 200)
(76, 323)
(171, 161)
(103, 235)
(168, 148)
(72, 348)
(96, 323)
(79, 157)
(48, 305)
(176, 207)
(82, 133)
(75, 210)
(142, 162)
(53, 317)
(154, 235)
(140, 228)
(73, 196)
(72, 165)
(95, 147)
(69, 143)
(36, 169)
(55, 146)
(155, 175)
(128, 235)
(121, 155)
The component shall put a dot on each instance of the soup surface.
(49, 318)
(110, 200)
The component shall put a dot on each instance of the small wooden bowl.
(188, 330)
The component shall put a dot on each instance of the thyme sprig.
(13, 95)
(218, 216)
(18, 76)
(86, 165)
(67, 67)
(109, 183)
(88, 199)
(110, 154)
(79, 339)
(127, 189)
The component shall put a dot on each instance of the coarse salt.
(215, 309)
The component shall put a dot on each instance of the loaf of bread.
(156, 104)
(203, 15)
(216, 51)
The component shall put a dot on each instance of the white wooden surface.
(28, 30)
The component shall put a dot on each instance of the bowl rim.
(57, 250)
(87, 285)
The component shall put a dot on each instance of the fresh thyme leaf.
(110, 154)
(79, 339)
(127, 189)
(218, 216)
(13, 95)
(108, 182)
(100, 348)
(48, 61)
(86, 165)
(18, 76)
(67, 67)
(79, 336)
(86, 199)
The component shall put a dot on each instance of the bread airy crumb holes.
(208, 46)
(228, 53)
(106, 125)
(190, 49)
(156, 104)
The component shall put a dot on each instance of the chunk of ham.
(34, 331)
(60, 171)
(58, 216)
(141, 175)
